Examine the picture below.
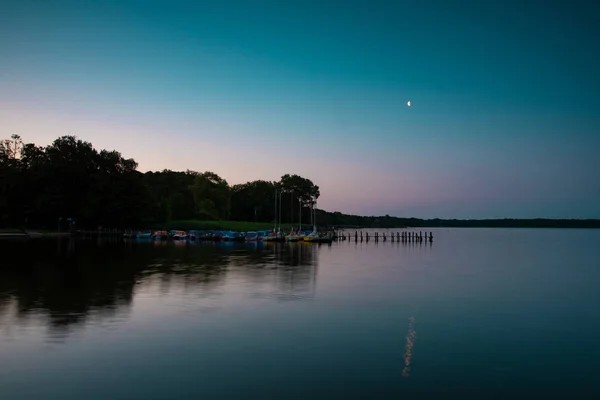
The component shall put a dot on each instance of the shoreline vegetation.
(69, 185)
(371, 223)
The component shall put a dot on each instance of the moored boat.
(160, 235)
(232, 236)
(194, 235)
(312, 237)
(251, 237)
(217, 235)
(179, 235)
(274, 237)
(262, 235)
(293, 236)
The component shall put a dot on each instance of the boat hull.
(274, 239)
(311, 239)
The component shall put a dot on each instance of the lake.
(478, 313)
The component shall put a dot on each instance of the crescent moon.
(408, 104)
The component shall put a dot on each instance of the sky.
(505, 96)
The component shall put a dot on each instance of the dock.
(404, 236)
(399, 236)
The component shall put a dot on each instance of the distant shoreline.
(395, 222)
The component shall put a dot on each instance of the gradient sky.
(505, 116)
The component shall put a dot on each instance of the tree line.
(71, 179)
(355, 221)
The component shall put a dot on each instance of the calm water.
(480, 312)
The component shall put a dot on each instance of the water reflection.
(70, 283)
(296, 271)
(410, 342)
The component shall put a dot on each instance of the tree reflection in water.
(68, 283)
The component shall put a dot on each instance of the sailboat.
(276, 235)
(314, 235)
(294, 236)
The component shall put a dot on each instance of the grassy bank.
(30, 230)
(242, 226)
(10, 230)
(8, 233)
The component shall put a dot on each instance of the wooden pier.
(396, 236)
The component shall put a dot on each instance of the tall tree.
(297, 189)
(253, 201)
(212, 196)
(11, 181)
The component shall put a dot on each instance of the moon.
(408, 104)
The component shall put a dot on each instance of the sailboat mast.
(275, 213)
(300, 219)
(280, 195)
(315, 217)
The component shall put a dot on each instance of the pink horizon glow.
(346, 186)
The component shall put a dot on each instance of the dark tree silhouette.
(40, 186)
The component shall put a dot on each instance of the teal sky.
(505, 116)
